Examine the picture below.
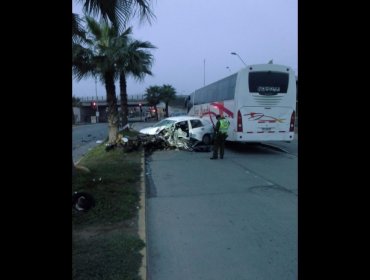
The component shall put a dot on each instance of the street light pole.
(234, 53)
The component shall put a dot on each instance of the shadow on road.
(251, 148)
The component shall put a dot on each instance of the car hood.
(151, 130)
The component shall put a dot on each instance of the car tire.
(206, 139)
(85, 204)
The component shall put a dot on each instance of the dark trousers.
(219, 144)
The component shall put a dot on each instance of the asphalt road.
(234, 218)
(224, 219)
(84, 137)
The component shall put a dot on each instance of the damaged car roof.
(165, 123)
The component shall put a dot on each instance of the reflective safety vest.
(224, 125)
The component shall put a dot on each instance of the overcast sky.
(194, 39)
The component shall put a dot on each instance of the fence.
(103, 98)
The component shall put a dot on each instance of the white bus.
(259, 101)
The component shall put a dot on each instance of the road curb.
(142, 220)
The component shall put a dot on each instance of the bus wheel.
(206, 139)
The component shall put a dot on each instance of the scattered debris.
(126, 127)
(169, 138)
(82, 201)
(82, 168)
(97, 180)
(200, 147)
(109, 146)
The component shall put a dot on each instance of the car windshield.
(164, 122)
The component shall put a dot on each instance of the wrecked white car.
(187, 127)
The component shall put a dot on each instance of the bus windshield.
(268, 82)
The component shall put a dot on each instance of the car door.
(197, 129)
(185, 129)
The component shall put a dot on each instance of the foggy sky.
(194, 39)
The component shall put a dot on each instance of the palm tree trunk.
(73, 117)
(112, 106)
(166, 109)
(123, 95)
(156, 112)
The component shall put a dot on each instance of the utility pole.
(204, 72)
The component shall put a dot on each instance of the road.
(225, 219)
(84, 138)
(234, 218)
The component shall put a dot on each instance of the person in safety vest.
(220, 135)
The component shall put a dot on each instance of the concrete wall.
(77, 114)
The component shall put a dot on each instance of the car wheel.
(206, 139)
(82, 201)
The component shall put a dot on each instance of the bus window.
(268, 82)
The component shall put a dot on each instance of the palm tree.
(99, 59)
(135, 61)
(168, 93)
(118, 12)
(78, 32)
(108, 53)
(153, 96)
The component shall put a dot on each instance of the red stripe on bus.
(222, 108)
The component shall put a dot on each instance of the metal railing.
(103, 98)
